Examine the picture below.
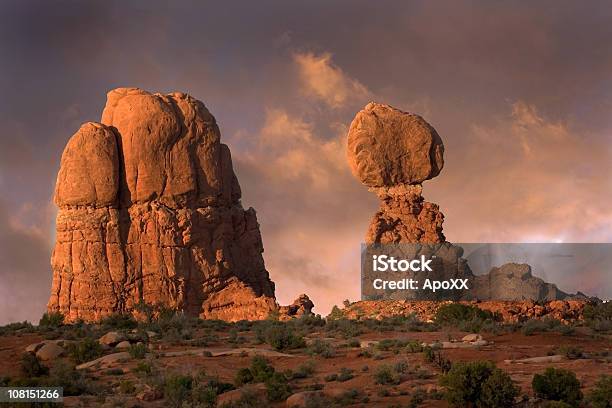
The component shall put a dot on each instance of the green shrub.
(12, 328)
(598, 311)
(335, 313)
(204, 396)
(557, 384)
(601, 395)
(391, 344)
(277, 387)
(177, 389)
(64, 375)
(331, 377)
(308, 322)
(248, 399)
(478, 384)
(414, 346)
(51, 320)
(401, 367)
(433, 355)
(243, 376)
(455, 313)
(119, 321)
(85, 350)
(532, 326)
(218, 386)
(353, 343)
(322, 348)
(417, 398)
(114, 371)
(138, 351)
(423, 374)
(283, 337)
(571, 352)
(261, 369)
(31, 366)
(345, 374)
(143, 368)
(385, 375)
(429, 354)
(346, 327)
(498, 391)
(304, 370)
(127, 387)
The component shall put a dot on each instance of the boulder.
(105, 361)
(300, 399)
(50, 351)
(387, 147)
(251, 390)
(33, 348)
(557, 358)
(123, 345)
(470, 338)
(150, 394)
(112, 338)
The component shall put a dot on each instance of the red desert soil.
(421, 374)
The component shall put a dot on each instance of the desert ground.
(171, 360)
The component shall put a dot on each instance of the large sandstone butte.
(150, 212)
(393, 153)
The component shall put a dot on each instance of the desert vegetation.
(173, 360)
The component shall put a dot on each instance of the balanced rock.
(388, 147)
(150, 212)
(393, 152)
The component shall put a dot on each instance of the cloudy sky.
(520, 92)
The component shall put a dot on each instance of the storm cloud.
(520, 92)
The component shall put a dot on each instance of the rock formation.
(301, 306)
(514, 281)
(509, 311)
(393, 153)
(150, 212)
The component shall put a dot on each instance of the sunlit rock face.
(150, 212)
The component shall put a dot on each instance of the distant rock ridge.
(150, 212)
(509, 311)
(393, 152)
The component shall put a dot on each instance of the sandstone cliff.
(149, 211)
